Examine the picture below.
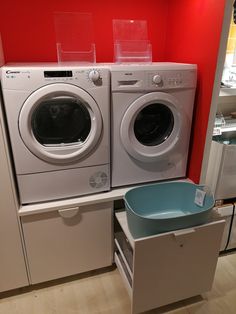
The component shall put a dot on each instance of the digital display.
(58, 74)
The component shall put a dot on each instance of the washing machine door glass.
(60, 123)
(152, 126)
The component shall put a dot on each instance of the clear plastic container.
(131, 42)
(74, 36)
(133, 51)
(87, 56)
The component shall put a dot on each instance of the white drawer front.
(172, 266)
(61, 243)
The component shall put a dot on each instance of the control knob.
(157, 79)
(94, 76)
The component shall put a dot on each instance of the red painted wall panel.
(193, 36)
(28, 34)
(180, 31)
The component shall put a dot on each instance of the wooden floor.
(103, 292)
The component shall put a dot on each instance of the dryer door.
(151, 126)
(60, 123)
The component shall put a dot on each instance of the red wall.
(181, 31)
(194, 29)
(27, 26)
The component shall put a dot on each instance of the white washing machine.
(58, 121)
(152, 109)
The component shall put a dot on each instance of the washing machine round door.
(152, 126)
(60, 123)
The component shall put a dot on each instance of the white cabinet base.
(13, 273)
(68, 241)
(171, 266)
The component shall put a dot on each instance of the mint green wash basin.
(163, 207)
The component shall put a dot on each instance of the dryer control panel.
(31, 77)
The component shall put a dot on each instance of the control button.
(172, 82)
(157, 79)
(94, 76)
(178, 81)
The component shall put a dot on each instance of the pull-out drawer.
(226, 212)
(68, 241)
(221, 172)
(171, 266)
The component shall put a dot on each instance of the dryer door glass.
(60, 123)
(153, 124)
(61, 120)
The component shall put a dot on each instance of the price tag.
(199, 197)
(217, 131)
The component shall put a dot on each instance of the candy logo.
(12, 72)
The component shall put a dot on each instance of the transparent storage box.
(74, 36)
(131, 42)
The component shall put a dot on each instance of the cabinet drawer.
(68, 241)
(172, 266)
(226, 212)
(221, 172)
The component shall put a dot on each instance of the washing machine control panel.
(171, 79)
(134, 78)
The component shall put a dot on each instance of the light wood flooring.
(103, 292)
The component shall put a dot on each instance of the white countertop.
(112, 195)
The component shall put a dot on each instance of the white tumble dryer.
(152, 109)
(58, 121)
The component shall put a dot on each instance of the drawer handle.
(183, 232)
(178, 235)
(68, 212)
